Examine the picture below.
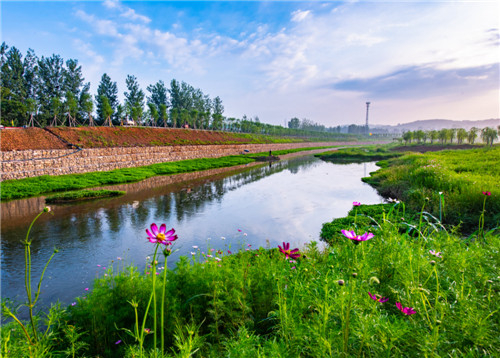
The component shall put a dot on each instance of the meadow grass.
(461, 176)
(256, 302)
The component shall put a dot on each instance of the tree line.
(49, 91)
(444, 136)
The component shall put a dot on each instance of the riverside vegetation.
(392, 281)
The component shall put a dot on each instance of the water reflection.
(288, 200)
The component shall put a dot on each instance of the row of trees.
(309, 125)
(50, 91)
(488, 135)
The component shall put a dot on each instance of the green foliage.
(82, 195)
(461, 175)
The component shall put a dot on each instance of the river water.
(260, 205)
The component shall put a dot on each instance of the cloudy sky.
(277, 60)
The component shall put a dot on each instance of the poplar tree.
(109, 90)
(134, 99)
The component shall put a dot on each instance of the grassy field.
(448, 184)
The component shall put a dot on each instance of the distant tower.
(366, 127)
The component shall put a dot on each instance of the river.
(231, 209)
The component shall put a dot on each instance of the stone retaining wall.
(31, 163)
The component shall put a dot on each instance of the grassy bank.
(24, 188)
(462, 177)
(81, 195)
(342, 300)
(360, 154)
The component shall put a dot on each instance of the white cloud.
(299, 15)
(132, 15)
(290, 70)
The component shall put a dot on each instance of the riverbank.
(126, 168)
(456, 185)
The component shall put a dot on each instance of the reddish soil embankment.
(106, 137)
(29, 138)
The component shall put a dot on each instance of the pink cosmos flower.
(118, 341)
(488, 193)
(437, 254)
(86, 289)
(289, 253)
(161, 236)
(357, 238)
(381, 300)
(406, 310)
(356, 203)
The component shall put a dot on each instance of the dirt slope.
(101, 137)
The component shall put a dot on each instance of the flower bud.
(354, 274)
(47, 209)
(167, 252)
(341, 282)
(374, 280)
(432, 262)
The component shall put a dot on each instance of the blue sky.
(277, 60)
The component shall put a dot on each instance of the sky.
(412, 60)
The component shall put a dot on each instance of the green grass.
(82, 195)
(24, 188)
(257, 303)
(359, 154)
(462, 176)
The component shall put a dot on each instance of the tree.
(50, 91)
(108, 89)
(163, 114)
(13, 94)
(134, 99)
(153, 113)
(294, 123)
(55, 107)
(72, 77)
(71, 108)
(218, 109)
(443, 135)
(461, 135)
(87, 105)
(407, 137)
(472, 135)
(489, 135)
(158, 94)
(107, 110)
